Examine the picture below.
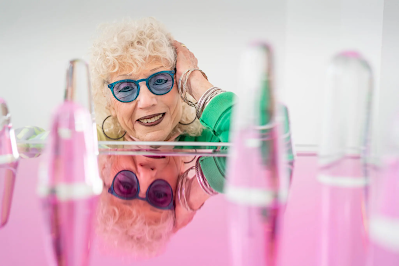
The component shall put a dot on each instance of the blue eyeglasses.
(128, 90)
(126, 186)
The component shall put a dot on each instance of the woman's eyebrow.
(156, 68)
(128, 74)
(131, 74)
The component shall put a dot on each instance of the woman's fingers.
(185, 59)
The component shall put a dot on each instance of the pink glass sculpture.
(78, 88)
(256, 186)
(69, 184)
(384, 213)
(8, 173)
(8, 145)
(8, 163)
(343, 160)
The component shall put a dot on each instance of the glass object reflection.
(7, 181)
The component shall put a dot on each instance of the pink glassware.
(256, 187)
(8, 163)
(8, 173)
(69, 185)
(8, 144)
(343, 160)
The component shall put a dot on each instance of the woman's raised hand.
(197, 198)
(186, 60)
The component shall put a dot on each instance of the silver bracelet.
(182, 192)
(183, 88)
(202, 179)
(202, 100)
(206, 98)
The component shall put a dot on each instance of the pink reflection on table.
(254, 205)
(69, 185)
(344, 238)
(7, 180)
(384, 220)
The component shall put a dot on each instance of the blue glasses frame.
(112, 85)
(111, 190)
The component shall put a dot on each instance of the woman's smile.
(151, 120)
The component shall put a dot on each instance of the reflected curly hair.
(124, 230)
(130, 44)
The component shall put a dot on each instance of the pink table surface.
(203, 242)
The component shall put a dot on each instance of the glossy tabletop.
(205, 241)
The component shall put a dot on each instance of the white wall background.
(38, 38)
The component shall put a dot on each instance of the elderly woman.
(148, 87)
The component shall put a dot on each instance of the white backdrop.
(38, 38)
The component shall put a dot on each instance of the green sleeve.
(216, 119)
(217, 116)
(214, 169)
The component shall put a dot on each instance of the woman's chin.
(159, 135)
(160, 132)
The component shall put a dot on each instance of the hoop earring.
(102, 127)
(187, 124)
(192, 158)
(184, 124)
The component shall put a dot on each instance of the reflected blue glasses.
(126, 186)
(128, 90)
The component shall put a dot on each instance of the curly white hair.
(124, 229)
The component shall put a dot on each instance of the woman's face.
(133, 116)
(147, 170)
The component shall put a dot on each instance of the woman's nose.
(146, 175)
(146, 98)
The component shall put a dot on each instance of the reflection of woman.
(136, 68)
(140, 207)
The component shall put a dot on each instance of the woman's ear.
(104, 166)
(112, 110)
